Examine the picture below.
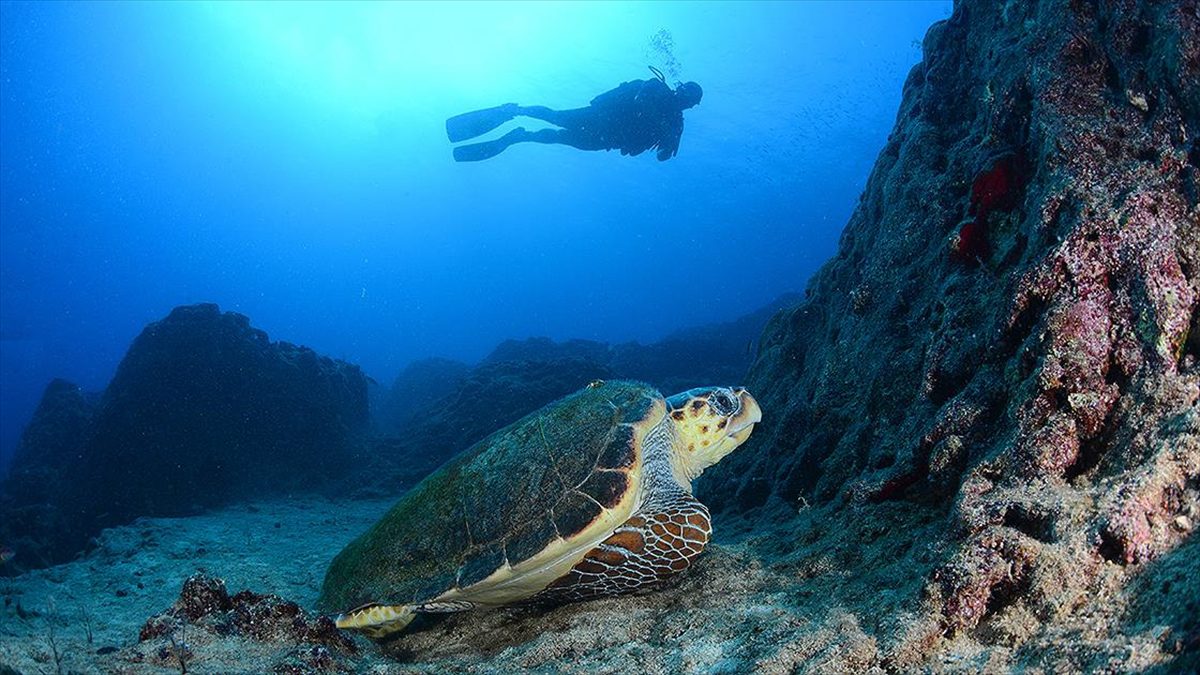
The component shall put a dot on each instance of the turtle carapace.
(587, 497)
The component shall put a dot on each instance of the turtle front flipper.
(652, 545)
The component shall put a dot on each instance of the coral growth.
(205, 611)
(998, 187)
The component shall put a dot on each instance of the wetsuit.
(633, 118)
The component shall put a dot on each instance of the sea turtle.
(589, 496)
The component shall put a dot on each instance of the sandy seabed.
(100, 602)
(730, 613)
(774, 598)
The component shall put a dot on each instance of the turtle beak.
(743, 423)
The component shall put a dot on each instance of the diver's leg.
(479, 151)
(475, 152)
(571, 137)
(562, 118)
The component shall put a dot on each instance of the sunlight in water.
(364, 58)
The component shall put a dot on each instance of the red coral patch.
(997, 188)
(970, 244)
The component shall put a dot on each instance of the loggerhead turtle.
(589, 496)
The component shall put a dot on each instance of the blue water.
(289, 161)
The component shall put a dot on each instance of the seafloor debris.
(204, 603)
(205, 612)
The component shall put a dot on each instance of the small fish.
(6, 554)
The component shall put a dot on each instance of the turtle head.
(709, 423)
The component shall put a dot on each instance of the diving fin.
(477, 152)
(479, 122)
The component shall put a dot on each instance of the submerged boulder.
(30, 493)
(203, 410)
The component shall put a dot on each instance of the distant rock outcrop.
(498, 393)
(53, 440)
(520, 376)
(203, 410)
(545, 349)
(416, 388)
(716, 353)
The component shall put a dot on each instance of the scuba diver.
(632, 118)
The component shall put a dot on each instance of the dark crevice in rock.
(1030, 522)
(1022, 327)
(1110, 548)
(1092, 450)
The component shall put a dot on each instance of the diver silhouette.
(633, 118)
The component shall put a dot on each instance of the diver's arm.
(669, 145)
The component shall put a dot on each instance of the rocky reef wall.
(1002, 357)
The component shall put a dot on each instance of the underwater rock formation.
(214, 410)
(717, 353)
(520, 376)
(421, 384)
(1035, 409)
(203, 410)
(493, 395)
(54, 438)
(545, 349)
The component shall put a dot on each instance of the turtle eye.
(723, 402)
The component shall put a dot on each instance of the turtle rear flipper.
(658, 541)
(376, 620)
